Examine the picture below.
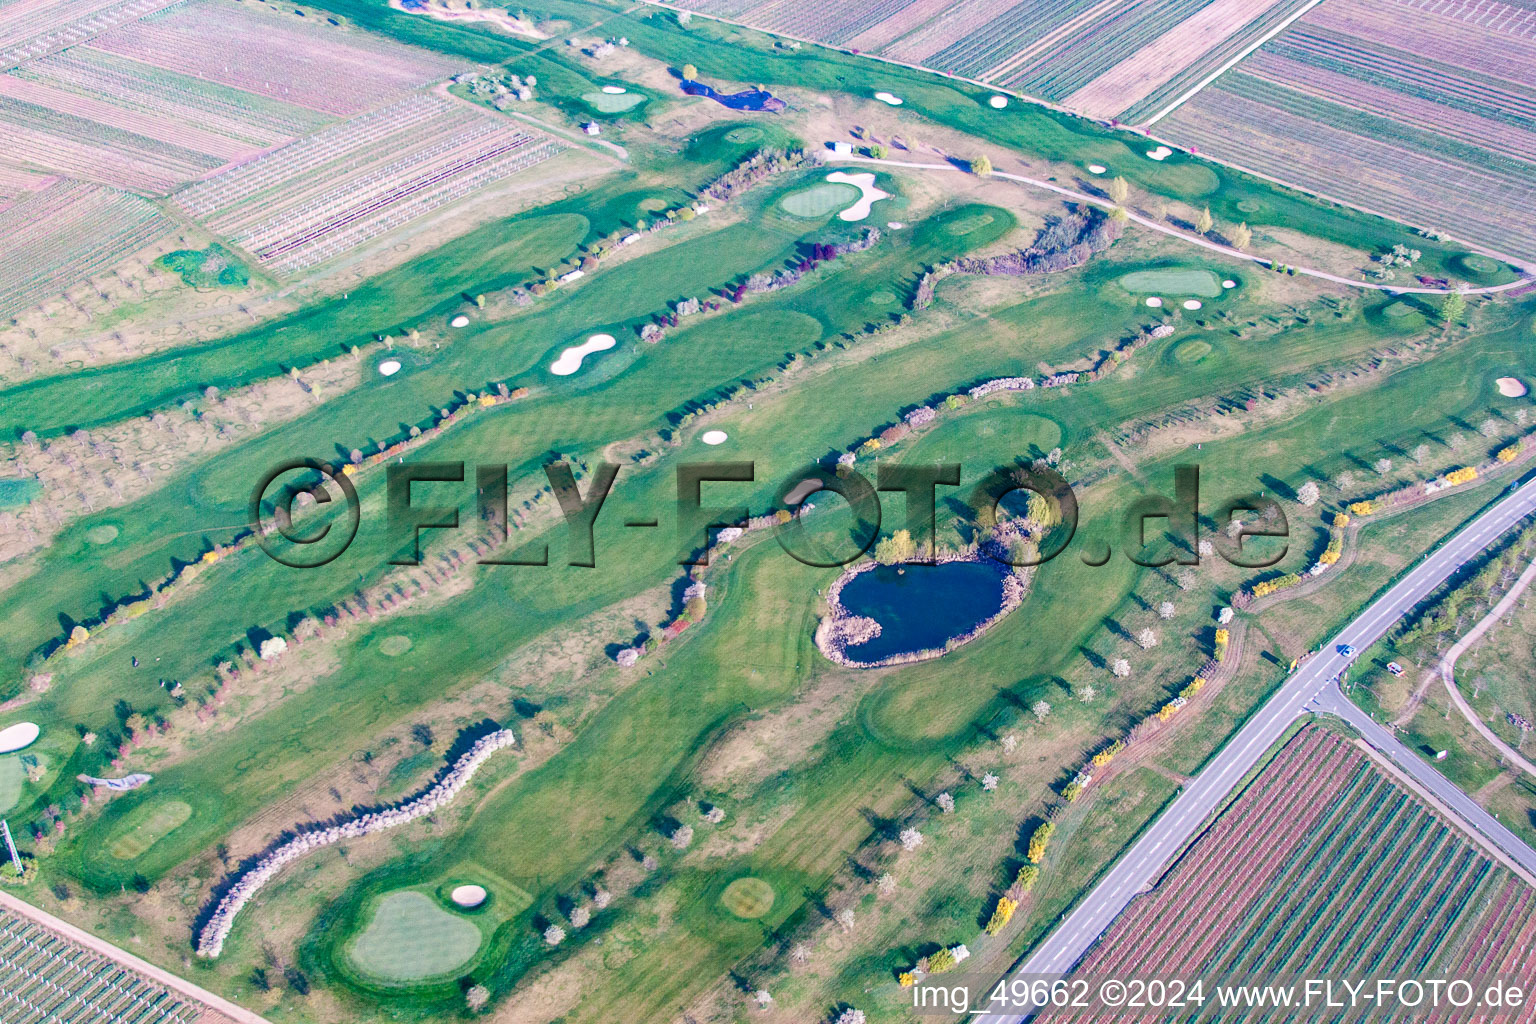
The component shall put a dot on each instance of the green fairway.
(411, 937)
(12, 778)
(146, 826)
(1173, 281)
(819, 200)
(14, 493)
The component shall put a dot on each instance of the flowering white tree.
(272, 648)
(989, 782)
(1010, 743)
(764, 1000)
(1419, 454)
(1146, 639)
(1121, 668)
(1344, 481)
(800, 953)
(682, 836)
(601, 898)
(911, 839)
(1040, 709)
(554, 935)
(946, 803)
(477, 997)
(1086, 692)
(580, 917)
(1456, 442)
(1488, 427)
(845, 919)
(885, 885)
(1382, 466)
(1165, 610)
(850, 1016)
(1308, 493)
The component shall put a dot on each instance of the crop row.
(26, 34)
(1248, 843)
(368, 216)
(989, 41)
(1098, 47)
(45, 978)
(357, 141)
(53, 238)
(308, 63)
(136, 86)
(827, 23)
(1190, 76)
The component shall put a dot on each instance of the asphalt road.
(1311, 684)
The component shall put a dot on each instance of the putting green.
(1478, 264)
(1250, 205)
(12, 777)
(882, 298)
(1173, 281)
(748, 898)
(145, 826)
(412, 937)
(1191, 351)
(1398, 310)
(819, 200)
(106, 533)
(971, 222)
(394, 646)
(608, 103)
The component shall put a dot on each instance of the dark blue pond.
(924, 607)
(750, 99)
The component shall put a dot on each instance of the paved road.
(1201, 241)
(1145, 861)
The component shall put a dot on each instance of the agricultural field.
(522, 779)
(67, 231)
(1114, 57)
(1421, 111)
(1325, 866)
(330, 192)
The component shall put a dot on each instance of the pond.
(747, 99)
(921, 607)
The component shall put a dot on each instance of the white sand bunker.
(459, 321)
(1192, 303)
(714, 437)
(891, 98)
(615, 90)
(468, 896)
(1160, 153)
(18, 736)
(894, 225)
(864, 181)
(1097, 168)
(804, 489)
(1511, 387)
(1155, 302)
(570, 360)
(998, 102)
(389, 367)
(1229, 283)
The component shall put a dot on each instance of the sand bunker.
(714, 437)
(459, 321)
(1097, 168)
(802, 490)
(570, 360)
(1510, 387)
(1192, 303)
(892, 99)
(18, 736)
(1229, 283)
(389, 367)
(998, 102)
(894, 225)
(615, 90)
(468, 895)
(1160, 153)
(869, 195)
(1154, 302)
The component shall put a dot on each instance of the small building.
(630, 239)
(960, 953)
(592, 128)
(842, 149)
(574, 275)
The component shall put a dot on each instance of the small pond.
(922, 607)
(747, 99)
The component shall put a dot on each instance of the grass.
(748, 898)
(147, 825)
(819, 200)
(637, 746)
(1173, 282)
(410, 937)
